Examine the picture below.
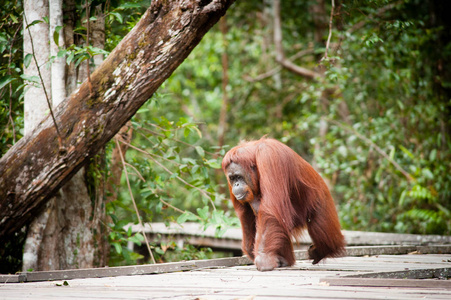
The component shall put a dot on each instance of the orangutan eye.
(235, 177)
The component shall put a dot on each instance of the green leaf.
(117, 16)
(121, 223)
(219, 232)
(95, 51)
(200, 151)
(214, 163)
(70, 58)
(183, 168)
(186, 216)
(402, 198)
(61, 53)
(392, 153)
(217, 217)
(81, 59)
(427, 173)
(194, 169)
(6, 80)
(186, 132)
(135, 240)
(143, 110)
(433, 155)
(27, 60)
(128, 5)
(118, 247)
(34, 23)
(406, 151)
(56, 34)
(159, 250)
(33, 79)
(139, 237)
(203, 213)
(14, 18)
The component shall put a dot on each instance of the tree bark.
(36, 42)
(36, 36)
(35, 167)
(71, 232)
(59, 64)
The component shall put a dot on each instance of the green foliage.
(11, 77)
(168, 159)
(388, 94)
(168, 252)
(366, 126)
(170, 177)
(119, 238)
(376, 126)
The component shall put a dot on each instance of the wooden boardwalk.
(194, 234)
(377, 276)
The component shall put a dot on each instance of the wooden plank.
(442, 273)
(379, 250)
(10, 278)
(434, 249)
(392, 250)
(198, 264)
(382, 250)
(384, 282)
(359, 238)
(134, 270)
(384, 238)
(244, 282)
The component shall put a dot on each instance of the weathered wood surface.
(36, 167)
(301, 281)
(220, 262)
(386, 283)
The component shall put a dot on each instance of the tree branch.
(280, 55)
(377, 13)
(330, 29)
(277, 69)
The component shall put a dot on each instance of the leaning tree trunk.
(36, 167)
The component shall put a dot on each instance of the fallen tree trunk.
(36, 167)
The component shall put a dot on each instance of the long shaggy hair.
(293, 197)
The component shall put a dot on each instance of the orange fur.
(291, 195)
